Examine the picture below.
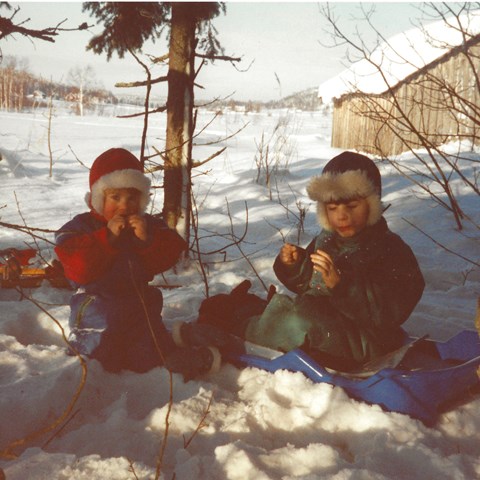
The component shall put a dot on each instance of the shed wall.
(385, 124)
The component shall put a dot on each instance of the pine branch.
(7, 27)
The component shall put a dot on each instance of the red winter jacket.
(86, 254)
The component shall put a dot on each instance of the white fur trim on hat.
(217, 360)
(335, 187)
(177, 334)
(331, 187)
(128, 178)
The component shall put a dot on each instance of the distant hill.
(306, 100)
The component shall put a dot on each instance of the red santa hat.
(116, 168)
(346, 177)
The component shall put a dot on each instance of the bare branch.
(7, 452)
(225, 58)
(441, 245)
(161, 109)
(141, 83)
(146, 104)
(8, 27)
(77, 159)
(238, 243)
(201, 424)
(29, 230)
(162, 59)
(196, 240)
(211, 157)
(425, 110)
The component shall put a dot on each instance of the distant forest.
(22, 90)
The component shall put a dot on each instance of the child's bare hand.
(323, 263)
(139, 226)
(116, 224)
(290, 254)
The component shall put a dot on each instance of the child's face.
(348, 218)
(121, 201)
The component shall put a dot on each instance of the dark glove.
(231, 312)
(199, 335)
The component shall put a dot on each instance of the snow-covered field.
(257, 425)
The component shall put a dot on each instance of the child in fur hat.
(356, 283)
(110, 253)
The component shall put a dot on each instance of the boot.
(199, 335)
(193, 362)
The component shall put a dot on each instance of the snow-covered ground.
(257, 425)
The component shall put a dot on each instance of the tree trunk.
(178, 161)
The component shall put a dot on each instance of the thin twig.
(237, 243)
(201, 424)
(25, 223)
(442, 246)
(7, 452)
(196, 240)
(77, 159)
(25, 229)
(131, 468)
(146, 105)
(142, 83)
(163, 444)
(211, 157)
(74, 414)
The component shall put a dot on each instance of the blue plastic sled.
(426, 376)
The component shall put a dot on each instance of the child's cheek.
(109, 210)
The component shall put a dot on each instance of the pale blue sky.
(283, 39)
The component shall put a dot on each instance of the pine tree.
(127, 26)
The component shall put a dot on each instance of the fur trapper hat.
(346, 177)
(116, 168)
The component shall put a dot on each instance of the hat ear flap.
(375, 209)
(322, 216)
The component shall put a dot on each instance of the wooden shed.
(430, 106)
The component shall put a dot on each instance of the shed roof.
(401, 56)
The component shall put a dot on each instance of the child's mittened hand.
(289, 254)
(323, 263)
(139, 226)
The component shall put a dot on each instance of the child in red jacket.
(110, 254)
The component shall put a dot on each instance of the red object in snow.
(23, 257)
